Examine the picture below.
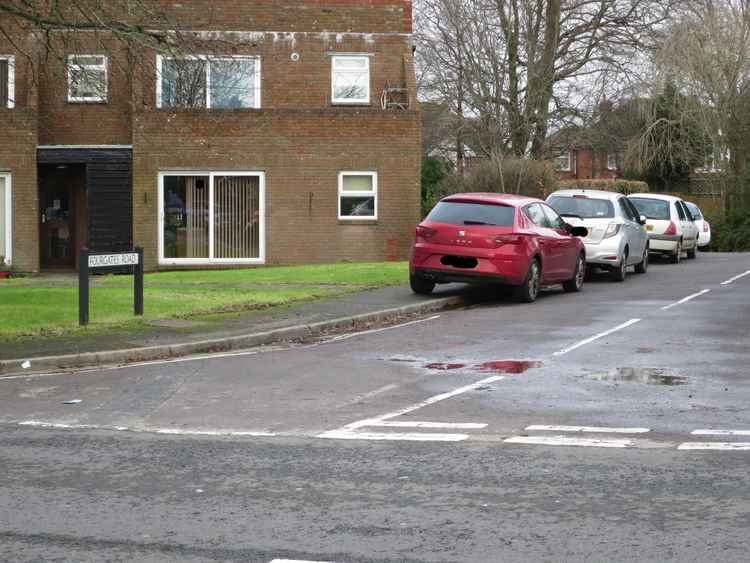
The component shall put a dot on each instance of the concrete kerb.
(14, 367)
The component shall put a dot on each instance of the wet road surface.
(610, 425)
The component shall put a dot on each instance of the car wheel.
(693, 252)
(528, 291)
(421, 286)
(576, 283)
(621, 272)
(642, 267)
(677, 256)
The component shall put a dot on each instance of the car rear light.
(612, 230)
(672, 229)
(425, 232)
(706, 226)
(581, 196)
(500, 240)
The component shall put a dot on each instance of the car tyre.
(528, 291)
(693, 252)
(575, 284)
(421, 286)
(621, 272)
(677, 256)
(642, 266)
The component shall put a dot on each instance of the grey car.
(617, 236)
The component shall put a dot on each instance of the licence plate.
(649, 227)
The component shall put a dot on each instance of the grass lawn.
(48, 306)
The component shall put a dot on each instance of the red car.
(497, 238)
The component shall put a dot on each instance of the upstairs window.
(87, 78)
(350, 79)
(208, 82)
(358, 195)
(7, 82)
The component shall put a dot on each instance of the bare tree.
(516, 66)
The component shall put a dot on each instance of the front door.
(58, 227)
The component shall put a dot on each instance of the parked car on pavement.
(704, 227)
(617, 236)
(670, 226)
(497, 238)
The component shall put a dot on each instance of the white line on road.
(686, 299)
(593, 429)
(375, 330)
(738, 446)
(143, 430)
(567, 441)
(395, 436)
(735, 278)
(296, 561)
(721, 432)
(564, 351)
(445, 425)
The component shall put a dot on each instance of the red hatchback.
(497, 238)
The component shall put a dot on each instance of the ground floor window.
(358, 195)
(215, 217)
(5, 219)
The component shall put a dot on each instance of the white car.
(617, 236)
(670, 226)
(704, 228)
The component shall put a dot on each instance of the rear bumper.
(461, 276)
(663, 243)
(605, 253)
(704, 239)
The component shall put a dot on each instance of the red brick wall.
(586, 164)
(301, 153)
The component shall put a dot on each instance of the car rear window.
(694, 211)
(652, 208)
(460, 213)
(583, 207)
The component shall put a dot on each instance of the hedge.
(623, 186)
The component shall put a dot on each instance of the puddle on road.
(647, 376)
(499, 366)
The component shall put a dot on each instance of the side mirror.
(579, 232)
(642, 219)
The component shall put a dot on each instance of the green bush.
(434, 173)
(732, 234)
(622, 186)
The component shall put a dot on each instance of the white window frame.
(10, 103)
(568, 167)
(373, 193)
(103, 66)
(209, 59)
(8, 250)
(612, 155)
(350, 101)
(211, 260)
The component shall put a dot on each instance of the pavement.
(610, 425)
(224, 332)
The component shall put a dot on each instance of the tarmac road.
(610, 425)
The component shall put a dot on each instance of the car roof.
(657, 196)
(514, 200)
(592, 193)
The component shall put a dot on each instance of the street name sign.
(89, 261)
(108, 260)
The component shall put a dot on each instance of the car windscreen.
(583, 207)
(652, 208)
(461, 213)
(694, 211)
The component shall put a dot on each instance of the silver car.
(617, 236)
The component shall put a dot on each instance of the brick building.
(582, 162)
(288, 133)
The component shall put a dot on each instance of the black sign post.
(89, 261)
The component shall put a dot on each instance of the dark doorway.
(63, 228)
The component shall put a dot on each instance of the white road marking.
(350, 431)
(394, 436)
(686, 299)
(564, 351)
(721, 432)
(376, 330)
(143, 430)
(735, 278)
(297, 561)
(445, 425)
(567, 441)
(729, 446)
(599, 429)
